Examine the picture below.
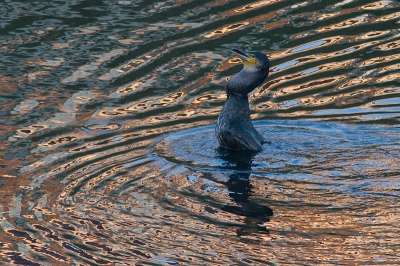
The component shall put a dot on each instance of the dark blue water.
(108, 154)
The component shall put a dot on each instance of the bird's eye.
(252, 56)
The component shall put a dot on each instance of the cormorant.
(234, 129)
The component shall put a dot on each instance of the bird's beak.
(245, 57)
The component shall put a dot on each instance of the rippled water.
(108, 152)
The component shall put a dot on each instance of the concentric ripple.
(331, 155)
(323, 150)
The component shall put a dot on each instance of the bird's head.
(254, 72)
(253, 59)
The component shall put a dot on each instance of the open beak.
(246, 58)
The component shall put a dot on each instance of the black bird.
(234, 129)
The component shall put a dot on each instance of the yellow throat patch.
(248, 62)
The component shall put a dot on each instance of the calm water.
(108, 155)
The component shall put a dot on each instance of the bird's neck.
(245, 81)
(237, 105)
(238, 97)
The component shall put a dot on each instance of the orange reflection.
(381, 59)
(358, 97)
(225, 30)
(345, 24)
(255, 5)
(390, 77)
(217, 3)
(234, 27)
(309, 86)
(390, 46)
(375, 5)
(269, 85)
(393, 16)
(372, 34)
(276, 24)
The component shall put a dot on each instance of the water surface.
(108, 152)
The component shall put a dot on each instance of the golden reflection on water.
(382, 59)
(389, 46)
(226, 30)
(255, 5)
(300, 88)
(389, 17)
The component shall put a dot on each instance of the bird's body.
(234, 129)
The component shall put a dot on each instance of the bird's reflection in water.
(240, 189)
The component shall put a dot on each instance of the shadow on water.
(241, 189)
